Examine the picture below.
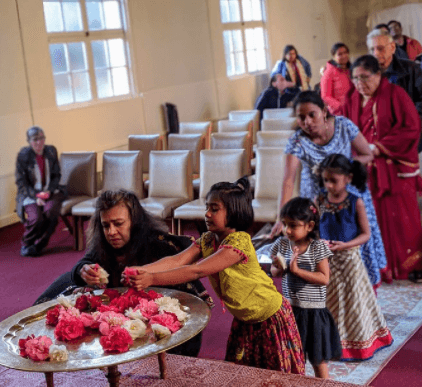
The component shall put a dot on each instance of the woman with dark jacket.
(122, 234)
(39, 197)
(335, 82)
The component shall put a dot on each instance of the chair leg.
(67, 223)
(179, 227)
(79, 233)
(172, 225)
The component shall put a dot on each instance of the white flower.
(67, 302)
(167, 301)
(135, 314)
(58, 353)
(159, 331)
(315, 170)
(181, 315)
(136, 328)
(103, 276)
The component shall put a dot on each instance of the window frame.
(87, 36)
(243, 26)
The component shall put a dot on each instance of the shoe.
(29, 251)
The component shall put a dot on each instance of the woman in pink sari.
(388, 119)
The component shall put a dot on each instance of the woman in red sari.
(388, 119)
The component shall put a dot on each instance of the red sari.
(390, 121)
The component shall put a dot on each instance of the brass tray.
(87, 352)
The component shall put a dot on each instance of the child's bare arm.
(365, 231)
(319, 277)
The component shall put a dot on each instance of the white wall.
(178, 57)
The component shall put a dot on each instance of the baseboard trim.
(7, 220)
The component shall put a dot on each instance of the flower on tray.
(35, 348)
(108, 320)
(136, 328)
(58, 353)
(69, 328)
(160, 331)
(168, 320)
(67, 302)
(118, 340)
(52, 317)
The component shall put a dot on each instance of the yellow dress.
(246, 290)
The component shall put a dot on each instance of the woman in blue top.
(294, 68)
(320, 136)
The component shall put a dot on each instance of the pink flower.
(108, 308)
(89, 321)
(95, 302)
(82, 303)
(52, 317)
(118, 340)
(69, 313)
(168, 320)
(36, 348)
(22, 343)
(108, 320)
(69, 328)
(147, 308)
(111, 293)
(154, 295)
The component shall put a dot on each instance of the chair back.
(272, 139)
(247, 115)
(219, 165)
(236, 140)
(235, 126)
(278, 113)
(203, 128)
(286, 124)
(123, 169)
(79, 173)
(171, 174)
(146, 143)
(190, 142)
(171, 117)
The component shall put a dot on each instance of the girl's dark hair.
(287, 49)
(337, 46)
(310, 96)
(143, 225)
(237, 199)
(381, 25)
(368, 62)
(302, 209)
(341, 164)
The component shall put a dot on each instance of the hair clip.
(313, 209)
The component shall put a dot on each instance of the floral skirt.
(271, 344)
(352, 302)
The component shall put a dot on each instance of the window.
(88, 49)
(244, 36)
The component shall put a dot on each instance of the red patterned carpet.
(182, 371)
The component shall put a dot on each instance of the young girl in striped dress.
(305, 277)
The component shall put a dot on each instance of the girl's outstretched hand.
(337, 246)
(141, 280)
(293, 263)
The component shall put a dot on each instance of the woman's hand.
(90, 275)
(337, 246)
(276, 230)
(293, 263)
(375, 151)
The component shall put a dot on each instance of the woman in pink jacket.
(335, 83)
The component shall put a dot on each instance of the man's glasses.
(39, 138)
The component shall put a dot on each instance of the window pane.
(228, 48)
(233, 46)
(255, 49)
(53, 16)
(77, 57)
(252, 10)
(230, 11)
(64, 94)
(117, 52)
(100, 54)
(120, 81)
(72, 15)
(237, 40)
(112, 14)
(81, 87)
(103, 79)
(95, 16)
(240, 62)
(58, 58)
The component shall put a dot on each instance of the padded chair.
(170, 183)
(146, 143)
(270, 169)
(275, 114)
(203, 128)
(213, 169)
(271, 140)
(247, 115)
(79, 175)
(121, 169)
(236, 140)
(286, 124)
(235, 126)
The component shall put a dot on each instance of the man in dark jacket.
(278, 95)
(402, 72)
(39, 197)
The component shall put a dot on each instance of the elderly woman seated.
(122, 234)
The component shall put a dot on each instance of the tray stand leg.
(113, 376)
(162, 362)
(49, 379)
